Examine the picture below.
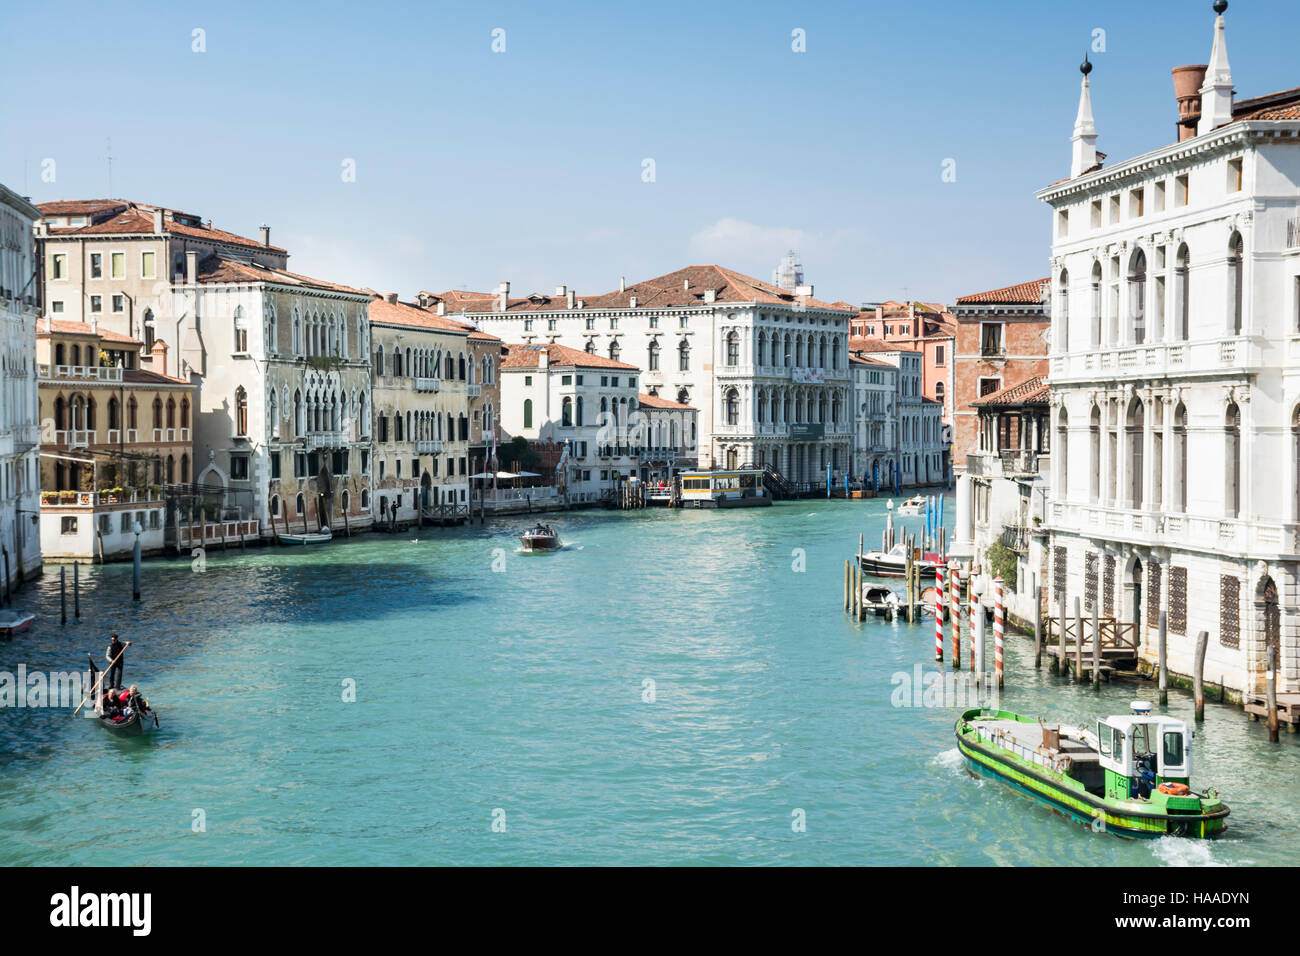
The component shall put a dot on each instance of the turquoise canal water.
(524, 691)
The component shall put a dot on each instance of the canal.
(672, 688)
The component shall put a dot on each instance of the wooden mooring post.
(1096, 645)
(1058, 661)
(1038, 627)
(1198, 674)
(848, 583)
(63, 595)
(954, 609)
(1078, 639)
(1270, 691)
(76, 591)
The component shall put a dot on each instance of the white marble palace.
(1175, 378)
(767, 367)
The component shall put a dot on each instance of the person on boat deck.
(116, 656)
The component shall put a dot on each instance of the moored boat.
(541, 537)
(15, 622)
(893, 563)
(880, 600)
(323, 536)
(1128, 775)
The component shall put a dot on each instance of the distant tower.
(1216, 94)
(789, 274)
(1084, 141)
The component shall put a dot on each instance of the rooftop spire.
(1216, 94)
(1084, 154)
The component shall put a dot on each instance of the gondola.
(140, 720)
(15, 622)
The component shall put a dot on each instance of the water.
(522, 691)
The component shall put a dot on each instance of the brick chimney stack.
(264, 232)
(1187, 91)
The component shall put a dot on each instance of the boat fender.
(1176, 789)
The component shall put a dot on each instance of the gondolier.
(116, 657)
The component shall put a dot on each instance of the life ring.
(1175, 789)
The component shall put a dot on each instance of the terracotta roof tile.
(47, 325)
(654, 401)
(1026, 293)
(218, 269)
(1033, 391)
(401, 313)
(559, 356)
(119, 217)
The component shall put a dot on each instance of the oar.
(94, 690)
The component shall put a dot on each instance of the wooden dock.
(1119, 646)
(1288, 709)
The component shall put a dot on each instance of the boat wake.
(1174, 851)
(950, 760)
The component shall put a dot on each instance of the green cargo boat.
(1130, 775)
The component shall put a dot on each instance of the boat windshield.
(1173, 748)
(1141, 740)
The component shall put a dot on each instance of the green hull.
(1193, 816)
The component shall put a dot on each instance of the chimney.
(631, 303)
(1187, 91)
(710, 295)
(265, 233)
(571, 295)
(390, 298)
(622, 283)
(158, 221)
(442, 307)
(560, 290)
(804, 291)
(543, 359)
(686, 284)
(503, 296)
(158, 357)
(191, 268)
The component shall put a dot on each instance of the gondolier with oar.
(115, 656)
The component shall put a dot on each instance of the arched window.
(241, 411)
(241, 330)
(1295, 464)
(1182, 294)
(131, 409)
(614, 350)
(171, 412)
(1094, 454)
(301, 504)
(1137, 296)
(528, 413)
(1112, 451)
(1232, 461)
(566, 412)
(157, 413)
(591, 346)
(1095, 292)
(114, 414)
(1157, 453)
(683, 396)
(185, 411)
(578, 420)
(1180, 459)
(1236, 252)
(1062, 454)
(1135, 428)
(732, 403)
(462, 367)
(275, 505)
(379, 360)
(1063, 312)
(185, 469)
(171, 469)
(652, 357)
(733, 348)
(684, 355)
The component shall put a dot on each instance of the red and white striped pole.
(954, 611)
(997, 628)
(938, 611)
(974, 600)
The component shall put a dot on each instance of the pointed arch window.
(241, 331)
(1236, 253)
(684, 356)
(241, 411)
(1232, 461)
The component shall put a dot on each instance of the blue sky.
(474, 166)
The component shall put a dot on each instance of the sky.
(427, 146)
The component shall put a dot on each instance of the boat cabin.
(1141, 751)
(736, 488)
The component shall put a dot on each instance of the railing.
(81, 373)
(428, 446)
(74, 438)
(474, 391)
(1293, 233)
(423, 384)
(216, 532)
(318, 440)
(1229, 353)
(1164, 529)
(993, 352)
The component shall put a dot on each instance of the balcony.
(428, 446)
(474, 390)
(423, 384)
(132, 436)
(1237, 536)
(80, 373)
(1293, 233)
(169, 435)
(1206, 358)
(74, 438)
(318, 440)
(1011, 463)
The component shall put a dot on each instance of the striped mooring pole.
(954, 611)
(974, 603)
(997, 628)
(938, 612)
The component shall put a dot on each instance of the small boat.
(130, 718)
(541, 537)
(880, 600)
(914, 506)
(893, 563)
(15, 622)
(1129, 775)
(323, 536)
